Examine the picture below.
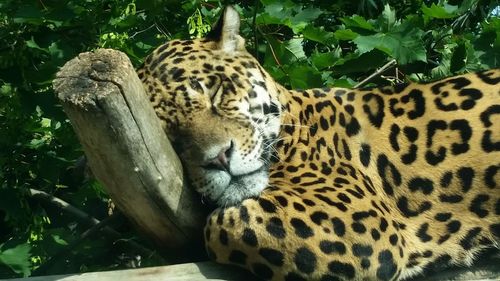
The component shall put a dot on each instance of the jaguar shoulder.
(330, 184)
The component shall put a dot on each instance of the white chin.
(243, 187)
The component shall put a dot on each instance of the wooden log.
(126, 147)
(213, 271)
(179, 272)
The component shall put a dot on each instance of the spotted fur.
(330, 184)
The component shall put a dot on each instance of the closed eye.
(195, 84)
(218, 89)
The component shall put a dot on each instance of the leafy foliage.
(301, 43)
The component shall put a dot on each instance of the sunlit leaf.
(59, 240)
(33, 45)
(345, 34)
(387, 19)
(288, 14)
(294, 46)
(440, 12)
(343, 82)
(403, 44)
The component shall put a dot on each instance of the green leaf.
(61, 16)
(279, 9)
(304, 18)
(387, 19)
(357, 22)
(277, 12)
(28, 14)
(319, 34)
(294, 46)
(379, 41)
(289, 14)
(303, 76)
(466, 5)
(286, 52)
(344, 82)
(440, 12)
(489, 43)
(324, 60)
(404, 44)
(345, 34)
(17, 259)
(366, 62)
(59, 240)
(55, 51)
(33, 45)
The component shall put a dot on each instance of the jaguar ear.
(226, 31)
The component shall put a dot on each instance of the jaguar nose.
(221, 161)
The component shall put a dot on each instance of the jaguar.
(330, 184)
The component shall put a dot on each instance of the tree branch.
(65, 206)
(376, 73)
(88, 219)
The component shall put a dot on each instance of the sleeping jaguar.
(330, 184)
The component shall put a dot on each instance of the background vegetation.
(301, 43)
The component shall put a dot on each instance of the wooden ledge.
(179, 272)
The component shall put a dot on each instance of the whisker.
(291, 115)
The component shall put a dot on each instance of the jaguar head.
(219, 108)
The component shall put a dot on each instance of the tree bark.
(126, 147)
